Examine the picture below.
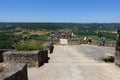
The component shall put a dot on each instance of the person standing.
(85, 40)
(51, 47)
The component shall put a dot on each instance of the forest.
(13, 34)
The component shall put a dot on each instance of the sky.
(76, 11)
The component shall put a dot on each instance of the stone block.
(117, 52)
(31, 58)
(44, 55)
(13, 71)
(117, 58)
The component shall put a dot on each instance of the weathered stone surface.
(117, 52)
(13, 71)
(77, 62)
(31, 58)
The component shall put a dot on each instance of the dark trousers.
(51, 49)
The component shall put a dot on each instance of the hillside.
(11, 33)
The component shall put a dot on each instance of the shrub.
(25, 33)
(28, 46)
(108, 59)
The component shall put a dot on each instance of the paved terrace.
(80, 62)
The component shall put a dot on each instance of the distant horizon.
(68, 11)
(70, 22)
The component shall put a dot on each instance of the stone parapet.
(108, 44)
(31, 58)
(117, 50)
(74, 42)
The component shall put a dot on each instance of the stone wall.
(13, 71)
(109, 44)
(74, 42)
(70, 42)
(117, 50)
(77, 42)
(31, 58)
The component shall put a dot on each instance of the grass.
(28, 46)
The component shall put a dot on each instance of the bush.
(39, 37)
(25, 33)
(6, 42)
(28, 46)
(109, 59)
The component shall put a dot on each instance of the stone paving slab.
(72, 63)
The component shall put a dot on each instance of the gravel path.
(80, 62)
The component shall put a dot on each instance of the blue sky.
(83, 11)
